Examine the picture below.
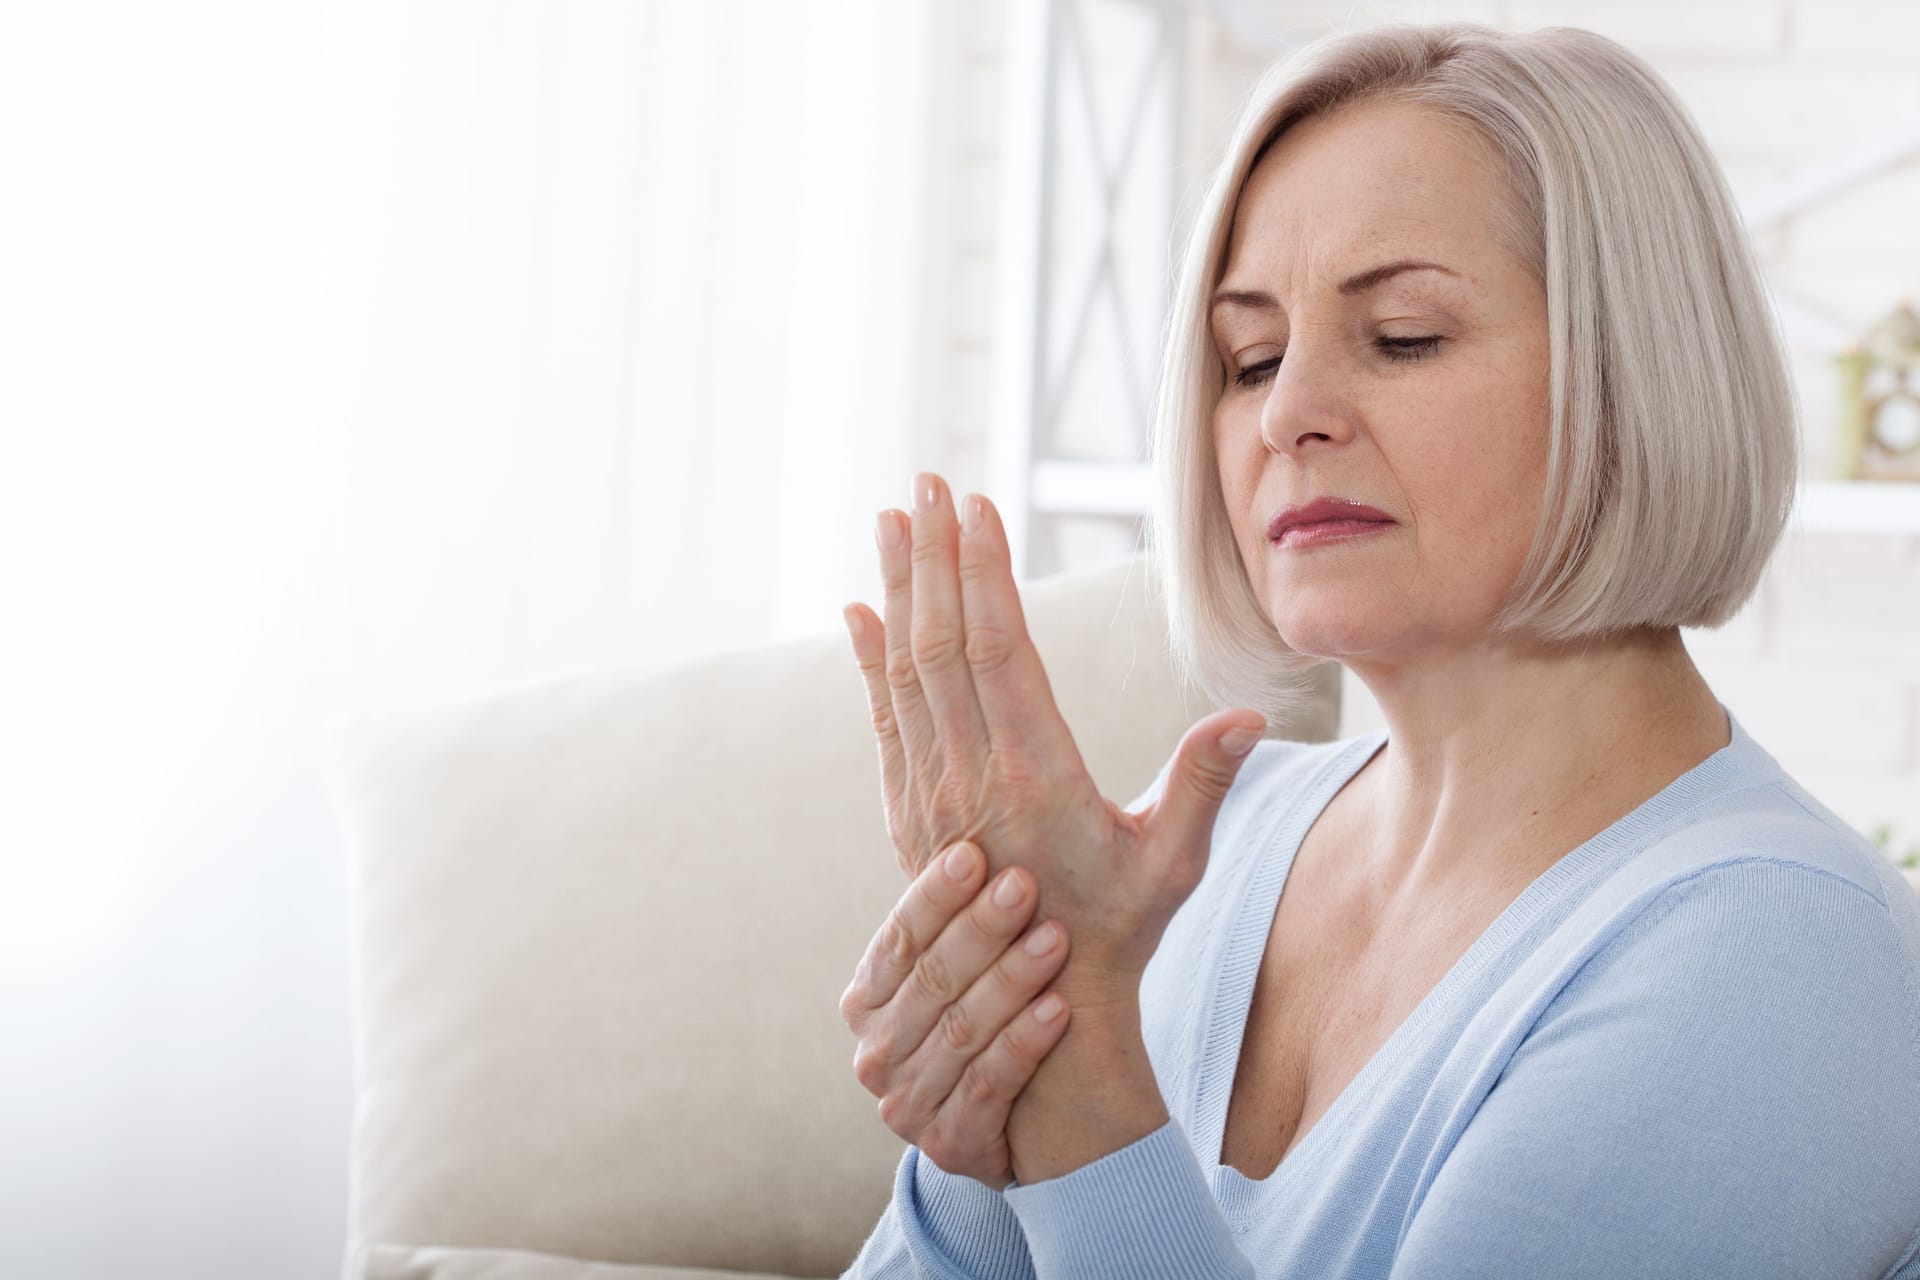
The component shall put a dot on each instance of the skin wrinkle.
(1502, 749)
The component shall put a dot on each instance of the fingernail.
(1009, 891)
(1049, 1009)
(852, 620)
(970, 514)
(960, 861)
(1239, 740)
(1042, 940)
(886, 531)
(924, 493)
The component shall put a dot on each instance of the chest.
(1335, 983)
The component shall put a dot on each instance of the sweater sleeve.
(1730, 1087)
(1143, 1212)
(942, 1226)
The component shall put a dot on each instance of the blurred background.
(361, 356)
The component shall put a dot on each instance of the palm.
(973, 745)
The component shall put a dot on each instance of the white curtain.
(363, 356)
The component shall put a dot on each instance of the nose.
(1305, 401)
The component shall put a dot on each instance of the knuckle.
(902, 675)
(892, 1108)
(1021, 1050)
(981, 563)
(871, 665)
(881, 713)
(989, 648)
(936, 646)
(933, 979)
(1022, 1054)
(987, 923)
(925, 552)
(957, 1028)
(870, 1067)
(1209, 778)
(977, 1086)
(897, 942)
(1018, 974)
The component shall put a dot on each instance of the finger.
(970, 1025)
(973, 1116)
(936, 989)
(1009, 681)
(928, 906)
(869, 651)
(911, 714)
(1202, 772)
(939, 641)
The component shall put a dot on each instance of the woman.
(1473, 388)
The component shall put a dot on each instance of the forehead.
(1369, 180)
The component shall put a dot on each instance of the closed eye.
(1402, 349)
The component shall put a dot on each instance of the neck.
(1506, 756)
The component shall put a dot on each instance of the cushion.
(601, 923)
(400, 1262)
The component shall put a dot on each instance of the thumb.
(1205, 764)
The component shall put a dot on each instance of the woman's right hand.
(944, 1007)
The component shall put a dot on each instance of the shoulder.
(1763, 872)
(1727, 1084)
(1776, 971)
(1743, 1042)
(1774, 820)
(1769, 860)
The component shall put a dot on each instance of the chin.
(1328, 638)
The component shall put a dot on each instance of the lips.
(1324, 510)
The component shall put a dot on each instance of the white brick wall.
(1823, 666)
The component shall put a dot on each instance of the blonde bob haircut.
(1673, 450)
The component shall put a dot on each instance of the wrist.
(1093, 1094)
(1103, 994)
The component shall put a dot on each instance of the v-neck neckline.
(1234, 979)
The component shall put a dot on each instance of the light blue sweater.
(1691, 1048)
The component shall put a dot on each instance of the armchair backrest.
(602, 923)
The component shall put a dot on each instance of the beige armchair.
(601, 924)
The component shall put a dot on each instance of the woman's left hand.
(973, 747)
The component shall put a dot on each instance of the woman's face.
(1423, 394)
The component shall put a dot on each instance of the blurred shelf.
(1062, 487)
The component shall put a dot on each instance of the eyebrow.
(1350, 287)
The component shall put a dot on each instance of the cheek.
(1476, 468)
(1239, 471)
